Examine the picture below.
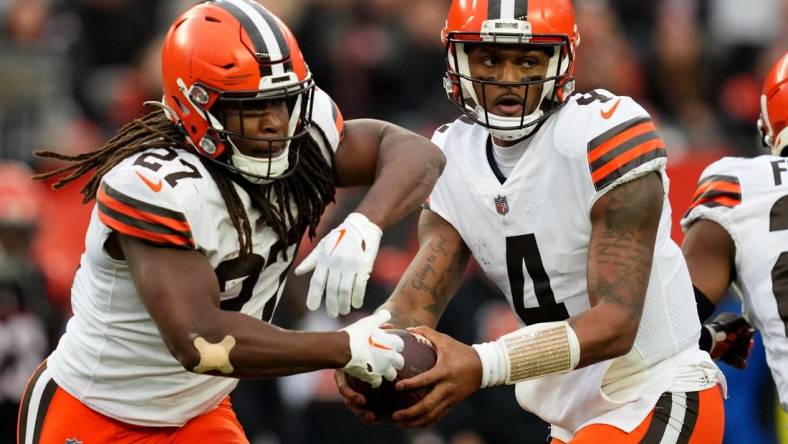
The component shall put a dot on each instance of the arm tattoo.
(430, 282)
(621, 256)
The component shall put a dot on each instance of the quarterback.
(561, 198)
(736, 230)
(200, 207)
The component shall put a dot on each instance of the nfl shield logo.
(73, 441)
(501, 206)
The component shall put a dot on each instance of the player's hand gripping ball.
(419, 355)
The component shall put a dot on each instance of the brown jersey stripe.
(716, 194)
(175, 225)
(142, 225)
(157, 238)
(597, 151)
(143, 206)
(621, 149)
(616, 130)
(718, 201)
(718, 178)
(713, 203)
(717, 186)
(633, 158)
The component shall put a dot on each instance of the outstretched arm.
(181, 293)
(401, 166)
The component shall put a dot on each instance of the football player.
(200, 208)
(736, 229)
(562, 200)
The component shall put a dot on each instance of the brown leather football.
(419, 355)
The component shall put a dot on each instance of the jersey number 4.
(523, 249)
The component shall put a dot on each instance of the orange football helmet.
(545, 23)
(234, 53)
(773, 122)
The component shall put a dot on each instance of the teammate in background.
(736, 230)
(562, 200)
(200, 209)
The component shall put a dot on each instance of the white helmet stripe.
(271, 44)
(507, 9)
(277, 31)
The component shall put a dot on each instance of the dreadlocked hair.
(309, 189)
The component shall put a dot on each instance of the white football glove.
(374, 354)
(342, 262)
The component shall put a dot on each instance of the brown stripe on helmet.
(251, 30)
(493, 9)
(272, 23)
(521, 9)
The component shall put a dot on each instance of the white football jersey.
(530, 233)
(112, 357)
(749, 199)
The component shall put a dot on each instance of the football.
(419, 355)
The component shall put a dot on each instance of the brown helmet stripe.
(251, 30)
(278, 34)
(493, 9)
(521, 9)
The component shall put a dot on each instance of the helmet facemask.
(215, 106)
(460, 83)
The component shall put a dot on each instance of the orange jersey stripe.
(717, 186)
(159, 238)
(727, 201)
(144, 216)
(626, 157)
(619, 139)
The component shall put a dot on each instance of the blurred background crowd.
(73, 71)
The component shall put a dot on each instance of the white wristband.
(532, 351)
(494, 365)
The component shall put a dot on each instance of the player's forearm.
(430, 281)
(256, 349)
(603, 332)
(407, 168)
(618, 276)
(620, 255)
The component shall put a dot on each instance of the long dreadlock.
(310, 188)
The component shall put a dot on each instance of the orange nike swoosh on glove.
(339, 239)
(156, 187)
(377, 344)
(609, 113)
